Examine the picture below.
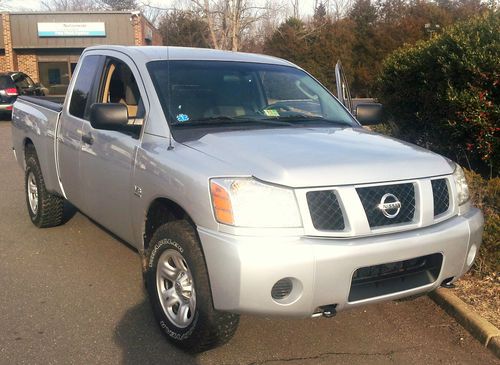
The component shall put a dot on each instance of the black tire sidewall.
(167, 237)
(32, 167)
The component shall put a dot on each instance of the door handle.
(87, 138)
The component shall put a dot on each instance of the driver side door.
(107, 157)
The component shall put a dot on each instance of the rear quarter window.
(21, 81)
(6, 82)
(82, 96)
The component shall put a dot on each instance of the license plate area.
(377, 280)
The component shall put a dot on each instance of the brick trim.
(10, 55)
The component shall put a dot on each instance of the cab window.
(120, 86)
(82, 96)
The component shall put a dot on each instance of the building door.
(55, 77)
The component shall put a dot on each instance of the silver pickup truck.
(245, 186)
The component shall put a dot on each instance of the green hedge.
(444, 93)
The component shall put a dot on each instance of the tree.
(151, 12)
(228, 20)
(295, 7)
(184, 28)
(120, 5)
(366, 52)
(71, 5)
(270, 19)
(320, 13)
(315, 47)
(445, 92)
(289, 41)
(339, 8)
(88, 5)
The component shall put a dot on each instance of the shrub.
(444, 93)
(485, 194)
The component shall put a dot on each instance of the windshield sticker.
(271, 113)
(182, 118)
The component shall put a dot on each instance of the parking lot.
(73, 295)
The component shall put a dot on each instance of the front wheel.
(179, 290)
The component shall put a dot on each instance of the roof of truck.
(154, 53)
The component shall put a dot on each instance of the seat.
(233, 99)
(123, 89)
(191, 100)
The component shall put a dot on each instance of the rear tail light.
(11, 91)
(9, 107)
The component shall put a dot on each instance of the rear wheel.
(45, 209)
(179, 290)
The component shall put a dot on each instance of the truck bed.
(54, 103)
(35, 120)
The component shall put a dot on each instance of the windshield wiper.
(224, 119)
(207, 120)
(305, 118)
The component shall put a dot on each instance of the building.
(46, 46)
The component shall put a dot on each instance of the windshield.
(220, 93)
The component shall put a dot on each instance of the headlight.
(461, 185)
(246, 202)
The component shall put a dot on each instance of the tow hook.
(447, 283)
(448, 286)
(329, 311)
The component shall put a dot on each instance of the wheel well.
(28, 144)
(162, 211)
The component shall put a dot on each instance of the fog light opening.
(282, 289)
(472, 255)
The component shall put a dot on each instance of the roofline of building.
(71, 12)
(131, 12)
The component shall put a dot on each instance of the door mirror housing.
(108, 116)
(369, 113)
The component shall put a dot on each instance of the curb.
(480, 328)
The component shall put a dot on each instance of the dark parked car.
(13, 84)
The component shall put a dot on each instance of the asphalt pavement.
(74, 295)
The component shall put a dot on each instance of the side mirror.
(369, 114)
(108, 116)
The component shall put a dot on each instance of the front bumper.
(243, 269)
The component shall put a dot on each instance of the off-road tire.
(50, 206)
(209, 328)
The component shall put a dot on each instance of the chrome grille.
(371, 199)
(441, 196)
(325, 211)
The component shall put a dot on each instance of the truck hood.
(300, 157)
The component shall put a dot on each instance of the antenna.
(170, 146)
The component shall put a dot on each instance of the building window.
(54, 76)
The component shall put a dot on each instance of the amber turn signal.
(222, 204)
